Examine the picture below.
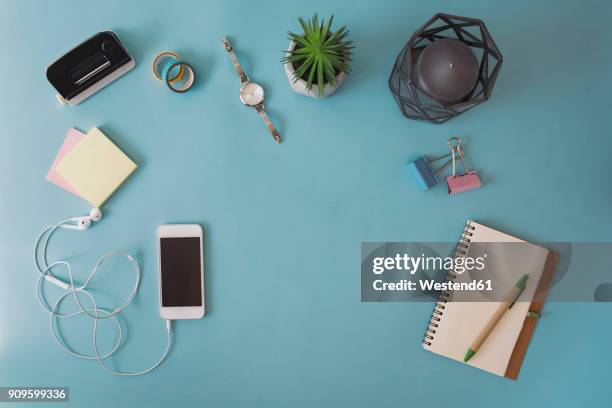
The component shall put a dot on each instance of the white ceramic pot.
(299, 86)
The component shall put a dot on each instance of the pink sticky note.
(72, 139)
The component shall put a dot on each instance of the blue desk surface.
(285, 325)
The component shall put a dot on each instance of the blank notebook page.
(463, 321)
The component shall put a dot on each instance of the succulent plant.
(320, 54)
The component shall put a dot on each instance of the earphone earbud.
(95, 214)
(83, 223)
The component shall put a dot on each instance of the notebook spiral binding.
(438, 312)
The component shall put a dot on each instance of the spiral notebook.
(455, 323)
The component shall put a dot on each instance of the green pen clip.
(533, 315)
(521, 284)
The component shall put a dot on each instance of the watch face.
(251, 94)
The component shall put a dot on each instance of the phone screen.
(181, 275)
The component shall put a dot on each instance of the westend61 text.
(430, 284)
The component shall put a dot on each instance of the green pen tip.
(470, 353)
(522, 282)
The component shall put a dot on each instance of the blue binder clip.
(424, 175)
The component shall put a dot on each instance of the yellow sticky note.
(96, 167)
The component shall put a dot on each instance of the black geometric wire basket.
(418, 104)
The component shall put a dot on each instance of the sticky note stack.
(90, 166)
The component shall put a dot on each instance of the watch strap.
(230, 50)
(264, 115)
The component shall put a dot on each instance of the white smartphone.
(180, 249)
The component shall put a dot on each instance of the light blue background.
(285, 326)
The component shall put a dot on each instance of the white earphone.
(93, 311)
(83, 223)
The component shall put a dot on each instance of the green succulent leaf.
(320, 54)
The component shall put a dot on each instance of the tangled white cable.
(94, 312)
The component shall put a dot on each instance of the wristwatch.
(251, 93)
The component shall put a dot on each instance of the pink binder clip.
(459, 183)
